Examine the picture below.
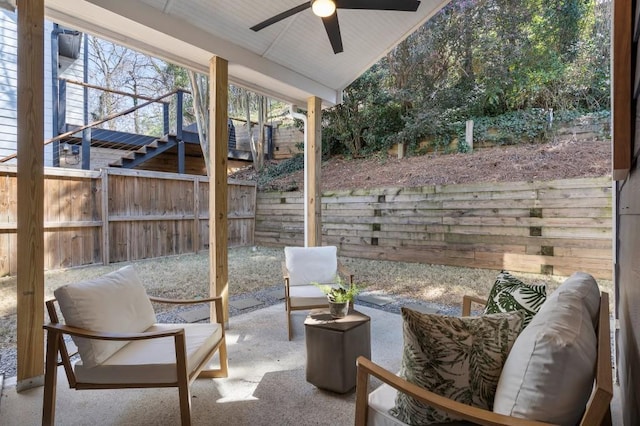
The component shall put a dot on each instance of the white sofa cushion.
(381, 401)
(153, 360)
(586, 288)
(115, 302)
(311, 264)
(549, 373)
(305, 295)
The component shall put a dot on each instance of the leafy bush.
(283, 168)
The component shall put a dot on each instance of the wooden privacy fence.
(115, 215)
(554, 227)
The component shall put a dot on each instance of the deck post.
(313, 162)
(218, 139)
(30, 221)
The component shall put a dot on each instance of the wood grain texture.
(30, 192)
(622, 88)
(312, 167)
(99, 218)
(218, 228)
(558, 226)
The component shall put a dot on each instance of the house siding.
(9, 86)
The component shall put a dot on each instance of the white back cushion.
(115, 302)
(549, 373)
(311, 264)
(586, 288)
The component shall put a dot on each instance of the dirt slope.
(558, 160)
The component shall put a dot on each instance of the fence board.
(120, 215)
(543, 227)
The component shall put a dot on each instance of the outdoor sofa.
(558, 370)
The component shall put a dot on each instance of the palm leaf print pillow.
(510, 294)
(460, 358)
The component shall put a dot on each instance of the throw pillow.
(457, 357)
(510, 294)
(549, 374)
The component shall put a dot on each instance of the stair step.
(142, 150)
(153, 144)
(129, 156)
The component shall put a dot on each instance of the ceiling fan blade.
(281, 16)
(333, 31)
(401, 5)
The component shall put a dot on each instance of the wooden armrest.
(184, 301)
(467, 301)
(466, 412)
(343, 271)
(285, 271)
(217, 301)
(90, 334)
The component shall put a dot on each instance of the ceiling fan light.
(323, 8)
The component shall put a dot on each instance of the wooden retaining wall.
(555, 227)
(115, 215)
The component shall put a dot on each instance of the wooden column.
(622, 81)
(313, 163)
(30, 233)
(218, 141)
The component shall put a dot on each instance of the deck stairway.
(132, 159)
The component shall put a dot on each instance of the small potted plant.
(339, 297)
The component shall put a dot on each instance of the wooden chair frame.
(597, 411)
(342, 271)
(56, 346)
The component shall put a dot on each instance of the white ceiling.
(290, 60)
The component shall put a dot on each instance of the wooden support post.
(196, 215)
(312, 171)
(104, 187)
(468, 136)
(30, 233)
(218, 226)
(621, 91)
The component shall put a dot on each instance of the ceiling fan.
(326, 9)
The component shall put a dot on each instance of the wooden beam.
(621, 92)
(218, 145)
(312, 170)
(30, 265)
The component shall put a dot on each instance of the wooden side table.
(333, 346)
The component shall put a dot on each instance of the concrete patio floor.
(266, 383)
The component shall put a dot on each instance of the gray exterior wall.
(9, 86)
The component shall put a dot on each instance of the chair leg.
(50, 379)
(185, 403)
(289, 321)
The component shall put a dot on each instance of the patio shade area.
(289, 60)
(266, 383)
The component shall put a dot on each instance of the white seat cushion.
(311, 264)
(307, 295)
(152, 361)
(381, 401)
(115, 302)
(549, 373)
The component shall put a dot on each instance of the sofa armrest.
(467, 301)
(466, 412)
(90, 334)
(285, 271)
(217, 302)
